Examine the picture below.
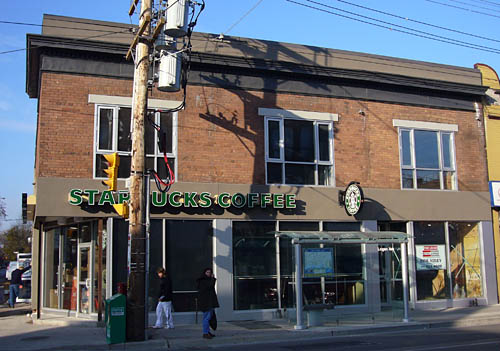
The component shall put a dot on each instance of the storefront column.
(371, 269)
(298, 285)
(489, 265)
(223, 270)
(404, 273)
(36, 263)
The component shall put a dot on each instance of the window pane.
(428, 180)
(150, 140)
(273, 132)
(254, 254)
(299, 174)
(465, 260)
(166, 124)
(325, 175)
(341, 226)
(124, 137)
(105, 129)
(426, 149)
(407, 175)
(324, 142)
(124, 167)
(405, 148)
(188, 252)
(299, 141)
(298, 226)
(447, 151)
(449, 180)
(432, 283)
(274, 173)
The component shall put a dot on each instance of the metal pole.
(278, 275)
(404, 272)
(148, 232)
(99, 269)
(298, 286)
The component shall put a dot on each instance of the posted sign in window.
(430, 257)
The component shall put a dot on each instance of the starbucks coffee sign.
(191, 199)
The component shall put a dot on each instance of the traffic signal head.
(122, 209)
(113, 161)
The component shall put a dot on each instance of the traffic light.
(24, 207)
(113, 161)
(122, 209)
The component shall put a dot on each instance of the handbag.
(213, 321)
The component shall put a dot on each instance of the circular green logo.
(353, 199)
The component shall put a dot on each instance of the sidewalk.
(19, 332)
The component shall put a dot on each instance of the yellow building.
(491, 112)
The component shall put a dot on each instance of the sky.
(463, 22)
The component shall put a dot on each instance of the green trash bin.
(115, 318)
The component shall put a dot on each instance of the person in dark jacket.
(164, 306)
(15, 284)
(207, 299)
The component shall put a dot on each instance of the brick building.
(299, 123)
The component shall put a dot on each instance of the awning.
(344, 237)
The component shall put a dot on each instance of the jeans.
(206, 318)
(164, 308)
(13, 294)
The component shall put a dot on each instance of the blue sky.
(277, 20)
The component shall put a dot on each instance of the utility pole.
(136, 313)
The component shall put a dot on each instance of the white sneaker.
(157, 327)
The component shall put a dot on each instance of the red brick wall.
(221, 135)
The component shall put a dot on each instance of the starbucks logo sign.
(353, 198)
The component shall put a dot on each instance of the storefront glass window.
(189, 250)
(465, 260)
(431, 261)
(254, 258)
(50, 294)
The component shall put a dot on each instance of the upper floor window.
(113, 134)
(427, 155)
(299, 147)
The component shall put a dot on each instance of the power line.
(74, 39)
(419, 22)
(242, 17)
(462, 8)
(423, 34)
(469, 4)
(490, 2)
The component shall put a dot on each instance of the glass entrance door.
(84, 278)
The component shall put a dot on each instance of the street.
(484, 338)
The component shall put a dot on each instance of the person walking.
(15, 284)
(207, 299)
(164, 307)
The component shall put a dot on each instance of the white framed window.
(113, 134)
(427, 155)
(299, 147)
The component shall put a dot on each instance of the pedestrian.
(164, 307)
(207, 299)
(15, 284)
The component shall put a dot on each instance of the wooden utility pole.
(136, 314)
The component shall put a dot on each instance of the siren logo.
(353, 198)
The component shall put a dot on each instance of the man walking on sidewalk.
(164, 301)
(15, 284)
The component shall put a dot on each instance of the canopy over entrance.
(344, 237)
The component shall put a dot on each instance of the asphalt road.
(484, 338)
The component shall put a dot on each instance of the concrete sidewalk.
(19, 332)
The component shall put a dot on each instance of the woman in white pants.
(164, 307)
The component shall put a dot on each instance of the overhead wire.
(407, 30)
(419, 22)
(242, 17)
(476, 6)
(462, 8)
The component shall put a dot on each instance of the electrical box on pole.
(169, 71)
(177, 18)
